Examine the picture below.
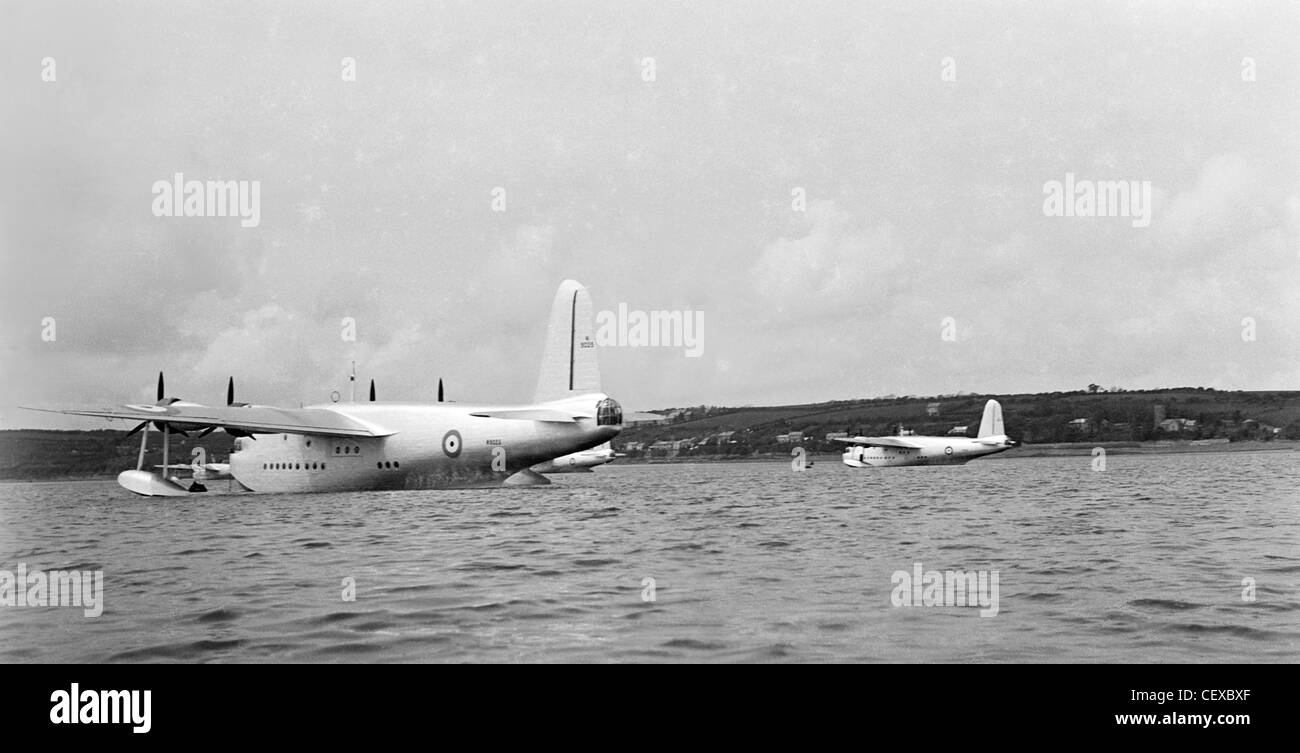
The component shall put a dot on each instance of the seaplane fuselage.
(435, 445)
(930, 451)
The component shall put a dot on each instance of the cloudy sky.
(920, 137)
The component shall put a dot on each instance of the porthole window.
(336, 450)
(396, 464)
(356, 450)
(379, 465)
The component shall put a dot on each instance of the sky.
(849, 196)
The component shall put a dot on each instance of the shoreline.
(1063, 449)
(1072, 449)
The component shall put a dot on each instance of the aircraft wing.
(253, 419)
(881, 442)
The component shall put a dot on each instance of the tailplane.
(991, 425)
(569, 365)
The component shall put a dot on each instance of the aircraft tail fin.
(991, 425)
(569, 363)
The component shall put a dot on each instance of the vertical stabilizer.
(569, 364)
(991, 424)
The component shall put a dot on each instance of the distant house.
(783, 439)
(1080, 424)
(932, 409)
(832, 436)
(1177, 425)
(958, 431)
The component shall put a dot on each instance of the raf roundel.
(948, 450)
(451, 443)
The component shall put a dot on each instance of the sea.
(1180, 558)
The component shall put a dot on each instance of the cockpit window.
(609, 412)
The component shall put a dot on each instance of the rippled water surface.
(1144, 561)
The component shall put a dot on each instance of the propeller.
(230, 403)
(440, 390)
(372, 390)
(230, 395)
(162, 400)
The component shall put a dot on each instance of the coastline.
(1062, 449)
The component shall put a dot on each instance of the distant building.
(832, 436)
(670, 447)
(1177, 425)
(958, 431)
(932, 409)
(1081, 424)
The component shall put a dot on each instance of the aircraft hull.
(434, 447)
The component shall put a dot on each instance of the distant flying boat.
(914, 450)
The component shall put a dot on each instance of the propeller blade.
(440, 390)
(161, 390)
(230, 392)
(372, 390)
(137, 428)
(207, 431)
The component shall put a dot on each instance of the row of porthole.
(292, 466)
(353, 450)
(386, 464)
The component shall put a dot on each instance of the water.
(751, 562)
